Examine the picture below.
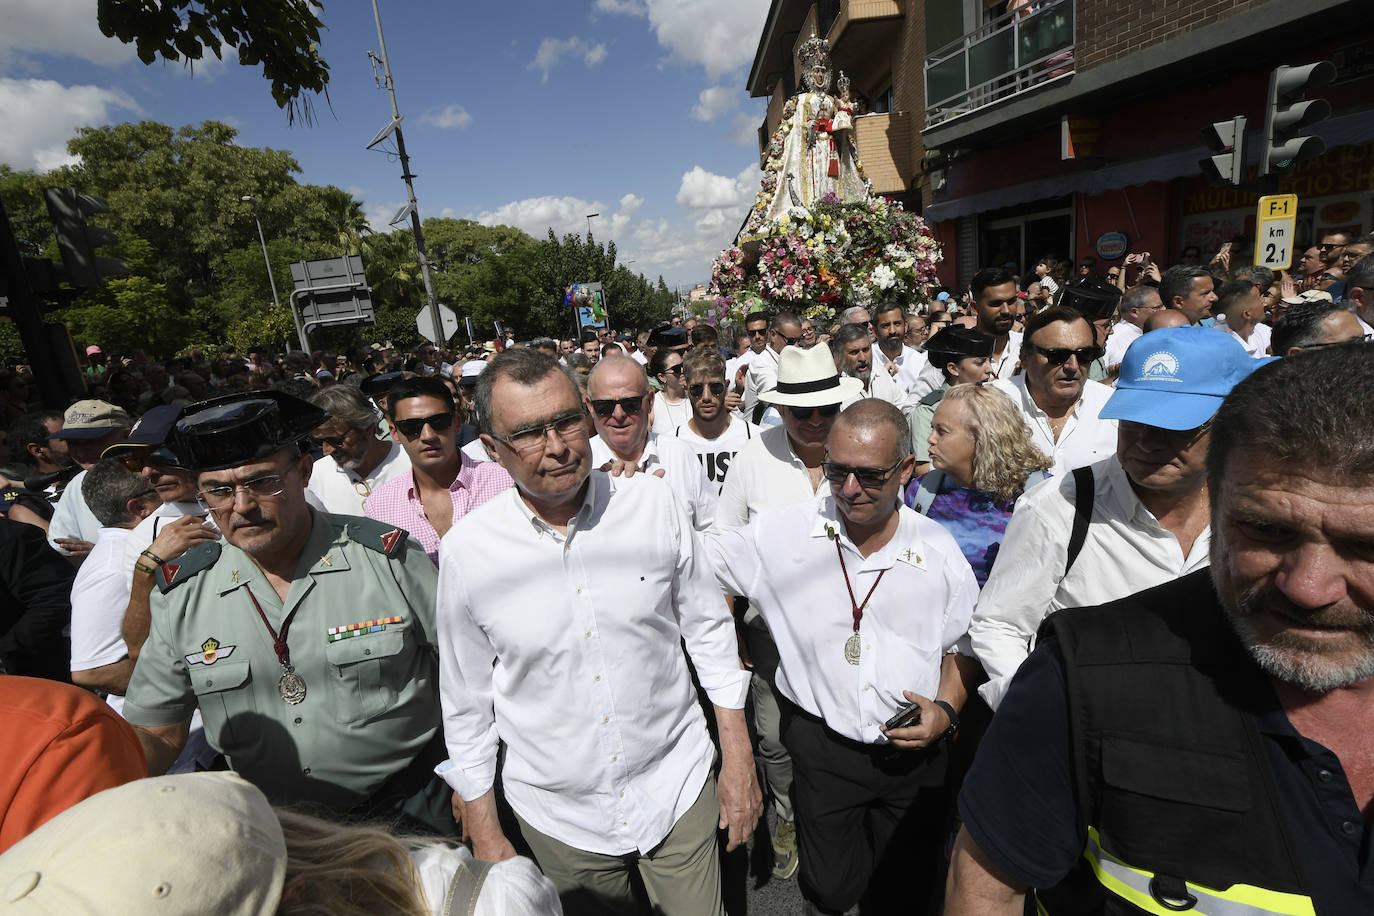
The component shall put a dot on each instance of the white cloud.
(744, 130)
(620, 7)
(714, 102)
(378, 215)
(552, 50)
(536, 215)
(703, 190)
(66, 27)
(451, 116)
(40, 116)
(720, 35)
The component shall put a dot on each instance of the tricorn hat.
(241, 428)
(1092, 297)
(959, 342)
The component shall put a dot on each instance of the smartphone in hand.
(906, 716)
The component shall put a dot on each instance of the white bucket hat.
(808, 378)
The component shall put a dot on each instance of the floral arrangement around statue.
(817, 237)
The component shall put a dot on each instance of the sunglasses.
(717, 389)
(604, 407)
(789, 341)
(675, 370)
(804, 413)
(1058, 356)
(415, 425)
(868, 478)
(758, 332)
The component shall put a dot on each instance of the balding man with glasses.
(784, 330)
(565, 604)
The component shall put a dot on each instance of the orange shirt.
(62, 745)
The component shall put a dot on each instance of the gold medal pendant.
(291, 686)
(851, 649)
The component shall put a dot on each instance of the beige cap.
(190, 844)
(1311, 295)
(91, 419)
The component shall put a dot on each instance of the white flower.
(883, 277)
(800, 214)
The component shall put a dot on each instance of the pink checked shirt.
(397, 502)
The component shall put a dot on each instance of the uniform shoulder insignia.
(189, 564)
(378, 536)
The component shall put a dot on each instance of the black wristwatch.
(953, 719)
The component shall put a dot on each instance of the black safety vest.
(1175, 794)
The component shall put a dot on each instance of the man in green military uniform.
(305, 639)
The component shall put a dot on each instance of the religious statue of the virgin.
(812, 153)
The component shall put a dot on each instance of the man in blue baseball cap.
(1127, 523)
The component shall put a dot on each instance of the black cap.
(960, 342)
(152, 429)
(377, 385)
(242, 428)
(1092, 297)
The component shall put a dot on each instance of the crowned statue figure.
(812, 152)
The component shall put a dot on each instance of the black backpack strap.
(1083, 486)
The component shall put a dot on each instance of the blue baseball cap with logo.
(1176, 378)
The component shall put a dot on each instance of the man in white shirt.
(356, 459)
(781, 466)
(783, 331)
(563, 606)
(853, 354)
(1239, 301)
(618, 401)
(1148, 520)
(890, 350)
(1359, 291)
(1056, 398)
(867, 601)
(1139, 303)
(713, 432)
(995, 305)
(88, 427)
(671, 409)
(120, 499)
(750, 342)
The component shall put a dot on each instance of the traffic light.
(68, 210)
(1288, 112)
(1227, 140)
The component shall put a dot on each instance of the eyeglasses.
(1363, 338)
(414, 426)
(526, 440)
(758, 332)
(868, 478)
(1327, 246)
(264, 487)
(1177, 438)
(804, 413)
(696, 391)
(604, 407)
(675, 370)
(1058, 356)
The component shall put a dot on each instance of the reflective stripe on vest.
(1133, 886)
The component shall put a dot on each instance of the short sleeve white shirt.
(1123, 335)
(765, 473)
(668, 416)
(681, 470)
(71, 517)
(716, 455)
(343, 492)
(99, 597)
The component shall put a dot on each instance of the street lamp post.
(589, 223)
(262, 237)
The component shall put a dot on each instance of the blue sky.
(528, 112)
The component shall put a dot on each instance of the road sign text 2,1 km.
(1275, 221)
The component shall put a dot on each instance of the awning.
(1354, 128)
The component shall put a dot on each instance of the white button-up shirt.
(909, 362)
(681, 470)
(343, 492)
(766, 473)
(785, 561)
(1003, 366)
(1123, 335)
(1126, 551)
(884, 387)
(1085, 438)
(1257, 344)
(762, 376)
(567, 648)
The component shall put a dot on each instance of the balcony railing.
(1014, 52)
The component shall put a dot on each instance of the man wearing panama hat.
(781, 466)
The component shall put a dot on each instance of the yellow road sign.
(1275, 222)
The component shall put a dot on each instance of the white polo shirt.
(343, 492)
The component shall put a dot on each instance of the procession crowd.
(1059, 586)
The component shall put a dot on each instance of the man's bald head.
(616, 370)
(870, 417)
(1166, 318)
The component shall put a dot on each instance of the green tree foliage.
(281, 35)
(197, 274)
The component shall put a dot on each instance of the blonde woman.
(981, 457)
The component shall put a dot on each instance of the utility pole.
(414, 208)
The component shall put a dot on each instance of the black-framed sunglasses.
(788, 341)
(1058, 356)
(804, 413)
(717, 389)
(868, 478)
(675, 370)
(604, 407)
(412, 427)
(758, 332)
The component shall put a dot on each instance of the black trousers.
(870, 819)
